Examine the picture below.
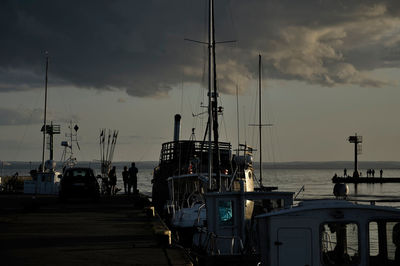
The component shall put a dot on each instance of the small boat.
(313, 232)
(330, 232)
(44, 182)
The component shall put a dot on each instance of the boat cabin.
(230, 217)
(43, 183)
(47, 182)
(330, 232)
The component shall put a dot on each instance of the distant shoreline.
(277, 165)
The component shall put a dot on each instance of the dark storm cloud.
(138, 46)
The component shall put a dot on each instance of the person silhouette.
(125, 178)
(132, 179)
(112, 175)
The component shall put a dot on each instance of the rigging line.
(181, 104)
(224, 125)
(253, 117)
(244, 123)
(270, 117)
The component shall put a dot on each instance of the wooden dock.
(113, 231)
(366, 180)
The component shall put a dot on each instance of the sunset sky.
(331, 68)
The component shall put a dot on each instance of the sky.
(330, 69)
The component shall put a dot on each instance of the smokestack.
(177, 127)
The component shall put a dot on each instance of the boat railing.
(232, 179)
(198, 212)
(213, 248)
(171, 149)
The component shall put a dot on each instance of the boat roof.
(328, 204)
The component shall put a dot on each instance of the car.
(79, 182)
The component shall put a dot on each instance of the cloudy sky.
(330, 69)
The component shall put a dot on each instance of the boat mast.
(260, 125)
(45, 110)
(237, 118)
(210, 3)
(259, 115)
(215, 105)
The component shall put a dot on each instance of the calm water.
(317, 182)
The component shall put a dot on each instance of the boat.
(189, 168)
(44, 182)
(181, 180)
(330, 232)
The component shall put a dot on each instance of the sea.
(308, 180)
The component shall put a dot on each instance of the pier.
(117, 230)
(366, 180)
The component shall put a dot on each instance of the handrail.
(198, 212)
(212, 245)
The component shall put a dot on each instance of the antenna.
(73, 137)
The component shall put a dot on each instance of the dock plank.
(109, 232)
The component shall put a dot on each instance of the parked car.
(79, 182)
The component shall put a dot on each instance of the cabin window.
(225, 212)
(384, 243)
(373, 239)
(393, 240)
(340, 243)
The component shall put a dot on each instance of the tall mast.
(260, 125)
(215, 105)
(237, 117)
(259, 115)
(45, 110)
(210, 43)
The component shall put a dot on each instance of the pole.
(51, 141)
(215, 106)
(209, 97)
(45, 110)
(355, 156)
(259, 114)
(237, 117)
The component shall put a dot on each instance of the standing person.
(373, 172)
(125, 178)
(113, 180)
(132, 179)
(345, 172)
(381, 172)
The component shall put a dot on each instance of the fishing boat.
(181, 179)
(189, 168)
(329, 231)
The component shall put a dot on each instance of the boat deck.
(112, 231)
